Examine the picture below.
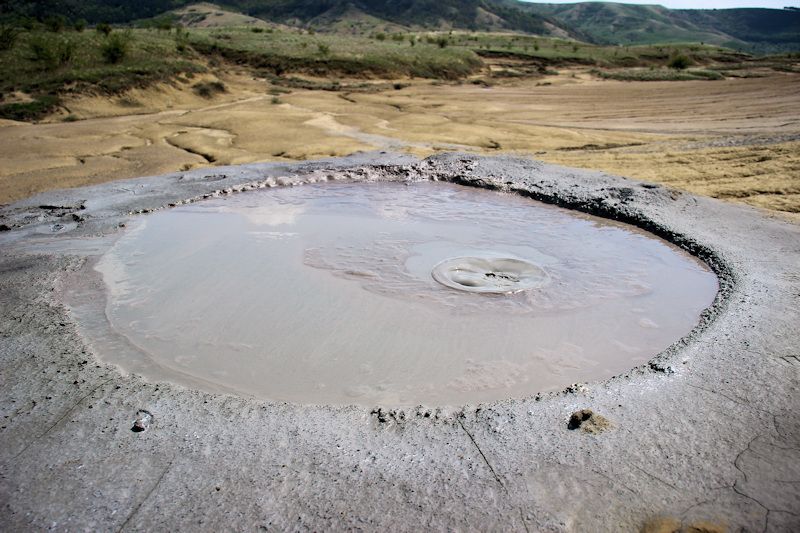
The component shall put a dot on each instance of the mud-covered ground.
(736, 139)
(705, 435)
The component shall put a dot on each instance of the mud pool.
(356, 293)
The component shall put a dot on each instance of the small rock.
(143, 420)
(661, 368)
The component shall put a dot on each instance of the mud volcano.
(391, 293)
(269, 292)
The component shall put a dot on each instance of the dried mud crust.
(706, 433)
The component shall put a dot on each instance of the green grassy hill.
(754, 30)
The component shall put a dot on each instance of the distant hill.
(755, 30)
(206, 15)
(438, 14)
(750, 29)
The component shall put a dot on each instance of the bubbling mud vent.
(500, 275)
(391, 294)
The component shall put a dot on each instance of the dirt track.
(734, 139)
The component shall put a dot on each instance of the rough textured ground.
(705, 435)
(736, 139)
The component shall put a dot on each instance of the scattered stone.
(587, 421)
(661, 368)
(143, 420)
(576, 388)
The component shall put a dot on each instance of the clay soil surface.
(736, 139)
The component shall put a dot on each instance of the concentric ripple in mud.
(490, 275)
(344, 293)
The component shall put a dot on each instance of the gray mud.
(328, 294)
(706, 432)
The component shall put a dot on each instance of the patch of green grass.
(48, 65)
(552, 51)
(661, 74)
(40, 106)
(283, 52)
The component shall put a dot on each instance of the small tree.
(8, 36)
(115, 48)
(679, 62)
(104, 28)
(53, 51)
(55, 23)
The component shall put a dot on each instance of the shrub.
(209, 89)
(53, 51)
(8, 36)
(104, 28)
(55, 23)
(79, 25)
(323, 48)
(380, 36)
(115, 48)
(29, 110)
(679, 62)
(182, 39)
(65, 49)
(41, 49)
(257, 30)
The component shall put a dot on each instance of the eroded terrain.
(736, 139)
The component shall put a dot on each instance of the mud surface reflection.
(329, 294)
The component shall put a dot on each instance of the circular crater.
(491, 275)
(389, 293)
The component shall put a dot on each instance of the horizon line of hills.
(759, 30)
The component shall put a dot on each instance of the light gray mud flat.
(705, 434)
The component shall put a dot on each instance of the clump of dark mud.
(588, 421)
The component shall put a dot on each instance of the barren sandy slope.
(736, 139)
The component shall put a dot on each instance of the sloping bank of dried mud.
(707, 432)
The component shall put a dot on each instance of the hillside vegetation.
(43, 64)
(753, 30)
(39, 67)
